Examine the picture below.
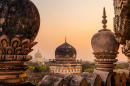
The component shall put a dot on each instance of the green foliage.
(87, 65)
(35, 83)
(37, 69)
(89, 70)
(43, 69)
(31, 68)
(121, 66)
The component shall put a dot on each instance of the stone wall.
(66, 68)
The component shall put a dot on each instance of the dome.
(65, 50)
(19, 18)
(38, 54)
(104, 40)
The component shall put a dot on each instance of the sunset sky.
(78, 20)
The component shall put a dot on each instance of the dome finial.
(104, 21)
(65, 39)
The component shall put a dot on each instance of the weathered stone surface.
(52, 81)
(17, 84)
(122, 20)
(74, 80)
(19, 18)
(104, 41)
(105, 76)
(65, 50)
(19, 25)
(93, 79)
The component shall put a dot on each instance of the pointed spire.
(104, 21)
(65, 39)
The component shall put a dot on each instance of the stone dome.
(65, 50)
(19, 18)
(104, 41)
(38, 54)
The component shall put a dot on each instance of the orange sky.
(78, 20)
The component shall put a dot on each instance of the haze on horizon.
(78, 20)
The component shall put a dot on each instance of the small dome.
(65, 50)
(38, 54)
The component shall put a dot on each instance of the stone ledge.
(18, 84)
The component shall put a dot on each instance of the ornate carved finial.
(104, 21)
(65, 39)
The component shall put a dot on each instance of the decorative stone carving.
(19, 25)
(122, 20)
(13, 54)
(105, 47)
(122, 25)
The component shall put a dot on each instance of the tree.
(89, 70)
(121, 66)
(43, 69)
(87, 64)
(37, 69)
(31, 69)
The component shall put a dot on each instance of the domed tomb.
(38, 54)
(19, 18)
(65, 60)
(65, 50)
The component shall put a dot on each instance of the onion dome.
(104, 40)
(38, 54)
(65, 50)
(19, 18)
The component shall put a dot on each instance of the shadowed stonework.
(19, 25)
(19, 18)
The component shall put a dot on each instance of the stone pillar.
(105, 48)
(19, 26)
